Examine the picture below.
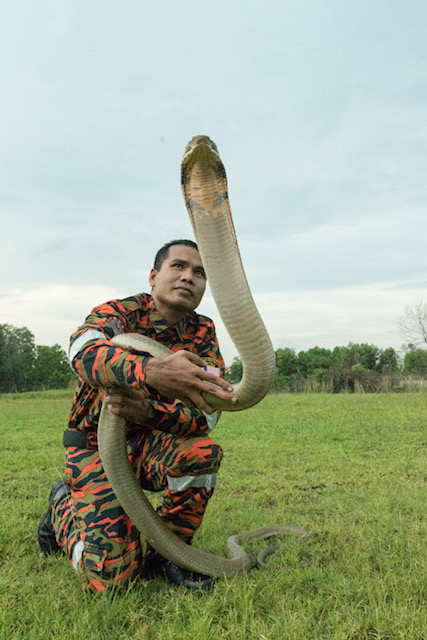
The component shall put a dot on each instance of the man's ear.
(152, 277)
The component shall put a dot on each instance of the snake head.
(201, 158)
(201, 151)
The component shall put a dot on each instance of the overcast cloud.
(319, 112)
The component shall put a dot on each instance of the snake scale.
(204, 187)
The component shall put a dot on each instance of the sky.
(319, 111)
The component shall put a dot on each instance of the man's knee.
(201, 455)
(195, 466)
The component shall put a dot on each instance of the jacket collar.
(160, 325)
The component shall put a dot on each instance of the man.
(168, 445)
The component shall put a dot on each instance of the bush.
(415, 363)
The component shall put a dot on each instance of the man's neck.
(170, 316)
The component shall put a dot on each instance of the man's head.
(178, 279)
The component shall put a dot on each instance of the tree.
(314, 361)
(415, 363)
(286, 369)
(366, 355)
(413, 323)
(51, 369)
(286, 362)
(25, 366)
(353, 367)
(236, 370)
(17, 358)
(388, 361)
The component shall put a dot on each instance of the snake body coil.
(204, 187)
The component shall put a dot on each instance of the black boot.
(46, 534)
(156, 565)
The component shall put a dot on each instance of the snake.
(205, 191)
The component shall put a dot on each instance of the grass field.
(352, 468)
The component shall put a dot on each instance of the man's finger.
(116, 410)
(216, 380)
(219, 393)
(200, 403)
(116, 399)
(127, 392)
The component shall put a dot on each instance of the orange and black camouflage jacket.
(99, 363)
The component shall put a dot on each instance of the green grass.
(352, 468)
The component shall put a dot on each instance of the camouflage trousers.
(92, 528)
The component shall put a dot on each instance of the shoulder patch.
(116, 324)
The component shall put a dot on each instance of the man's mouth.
(184, 290)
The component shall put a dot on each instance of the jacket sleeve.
(177, 419)
(99, 362)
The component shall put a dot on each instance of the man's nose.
(187, 275)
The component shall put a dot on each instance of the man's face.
(180, 283)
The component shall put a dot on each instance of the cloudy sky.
(319, 112)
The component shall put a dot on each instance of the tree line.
(25, 366)
(355, 367)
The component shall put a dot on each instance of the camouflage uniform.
(170, 452)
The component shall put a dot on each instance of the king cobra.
(204, 187)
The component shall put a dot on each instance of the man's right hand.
(181, 375)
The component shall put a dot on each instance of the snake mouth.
(201, 151)
(199, 144)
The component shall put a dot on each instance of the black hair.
(163, 253)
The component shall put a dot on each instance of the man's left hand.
(128, 403)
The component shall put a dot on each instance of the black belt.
(80, 439)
